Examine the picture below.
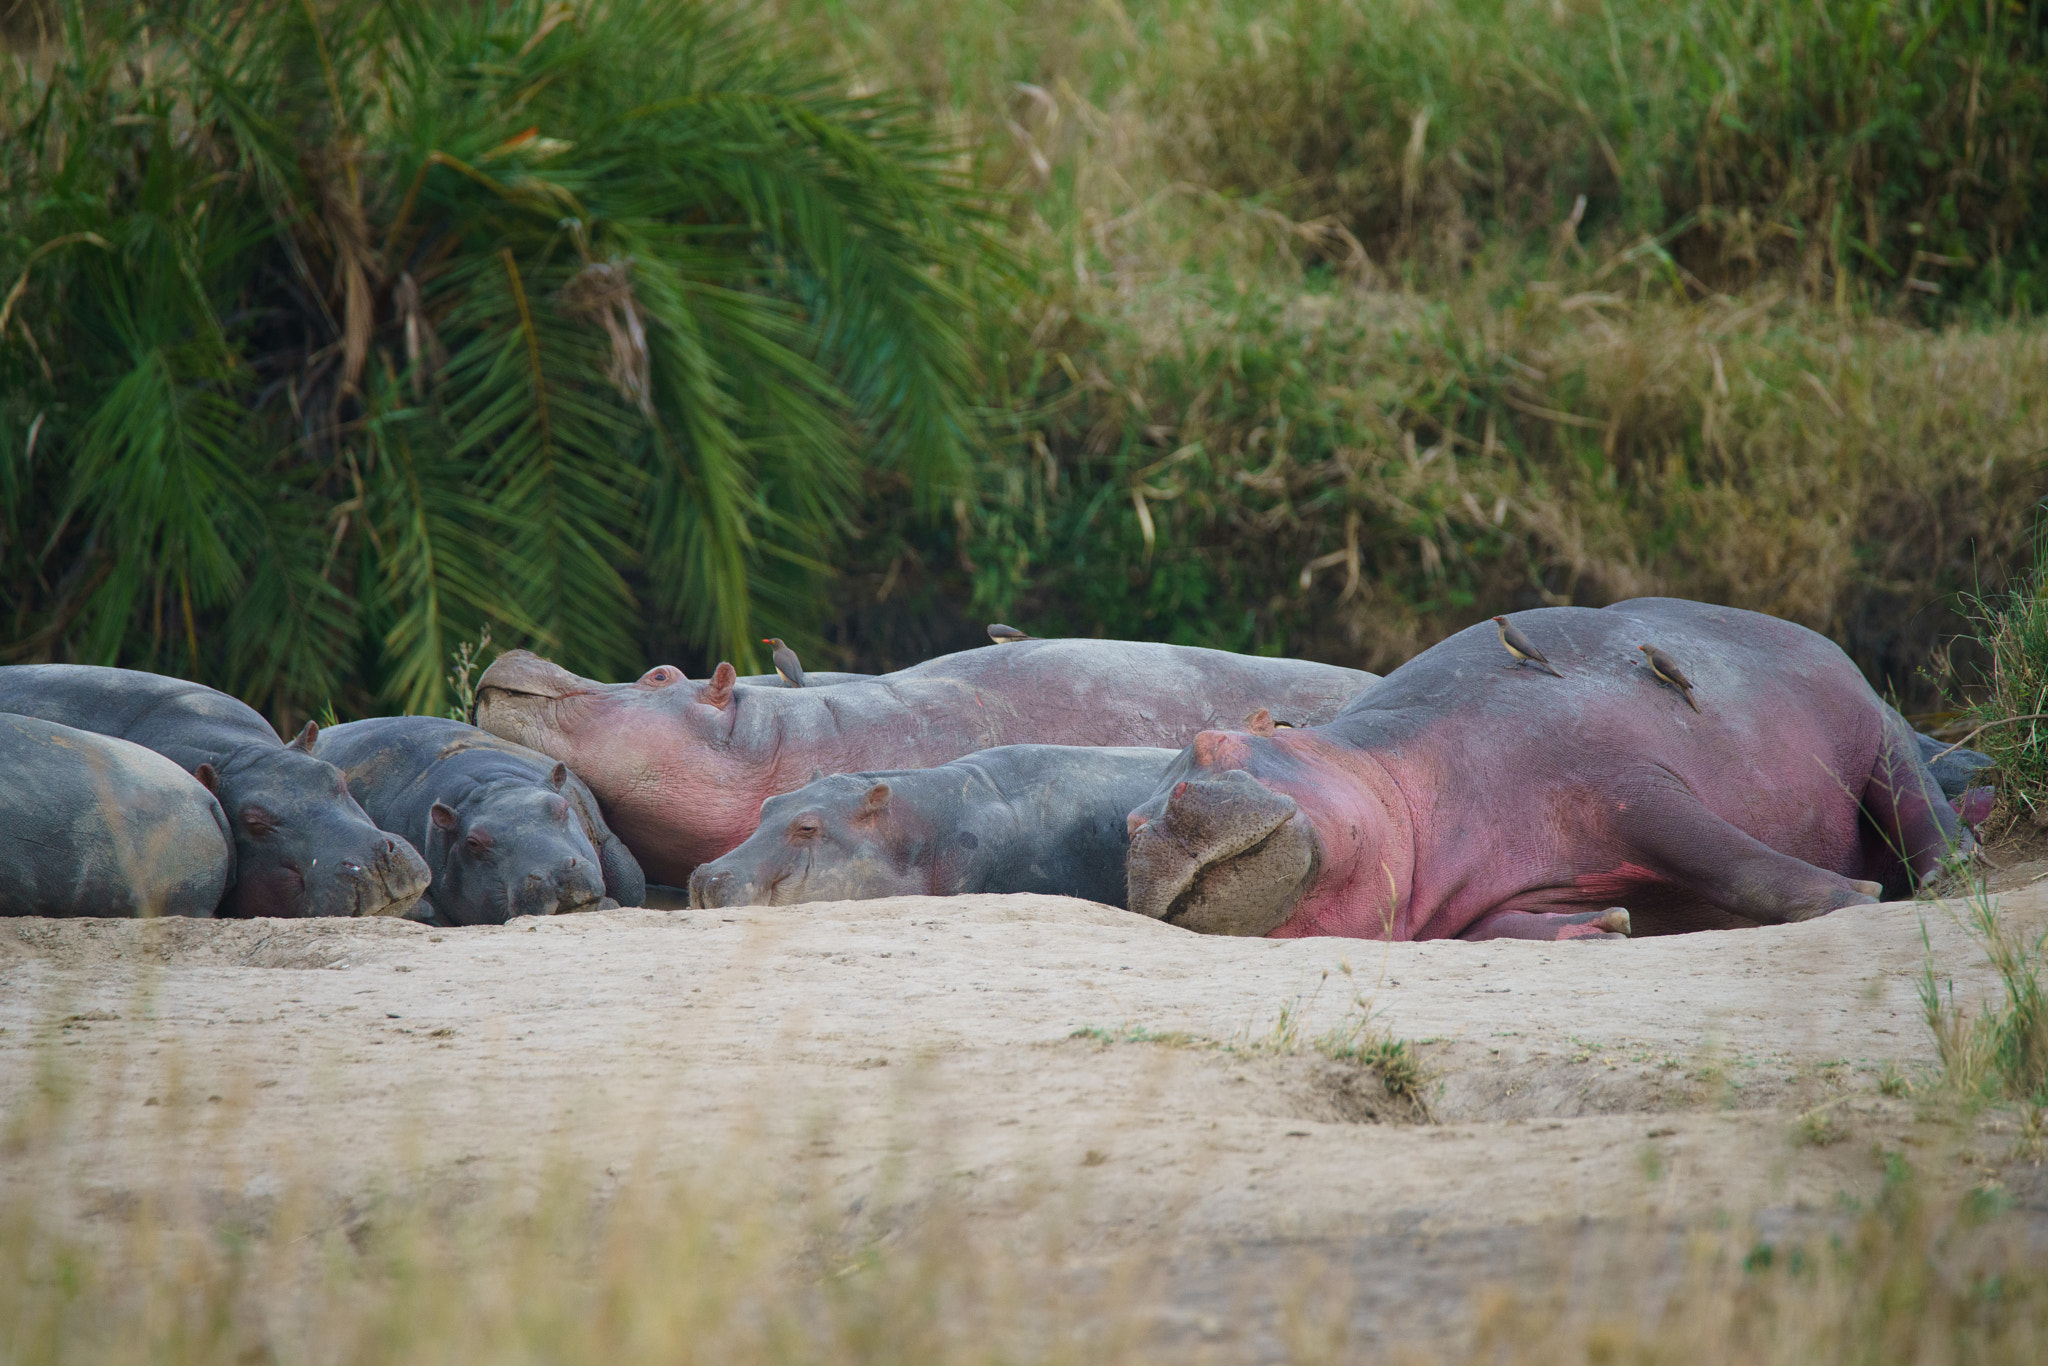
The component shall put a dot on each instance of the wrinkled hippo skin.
(302, 845)
(1018, 818)
(94, 826)
(505, 831)
(1956, 770)
(1466, 796)
(682, 768)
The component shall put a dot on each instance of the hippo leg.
(1682, 843)
(1612, 923)
(623, 879)
(1911, 813)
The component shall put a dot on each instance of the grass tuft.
(2001, 1053)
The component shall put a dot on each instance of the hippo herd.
(1654, 766)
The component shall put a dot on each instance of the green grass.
(1313, 348)
(1999, 1054)
(2010, 722)
(1288, 388)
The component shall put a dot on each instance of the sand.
(883, 1052)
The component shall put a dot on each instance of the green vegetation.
(337, 331)
(2000, 1054)
(2011, 720)
(1327, 358)
(1357, 1040)
(1334, 326)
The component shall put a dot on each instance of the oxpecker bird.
(1519, 646)
(1004, 635)
(786, 663)
(1666, 668)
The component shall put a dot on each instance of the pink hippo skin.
(681, 768)
(1468, 796)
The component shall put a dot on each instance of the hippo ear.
(1259, 722)
(558, 777)
(443, 816)
(876, 802)
(209, 778)
(307, 737)
(718, 691)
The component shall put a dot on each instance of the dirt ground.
(1004, 1050)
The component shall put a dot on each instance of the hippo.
(302, 845)
(505, 831)
(1467, 796)
(94, 826)
(1017, 818)
(682, 768)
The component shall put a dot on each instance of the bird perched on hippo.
(303, 847)
(504, 830)
(1460, 798)
(682, 767)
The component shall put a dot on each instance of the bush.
(338, 331)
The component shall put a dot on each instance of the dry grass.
(1294, 380)
(572, 1266)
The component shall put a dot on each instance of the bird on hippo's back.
(787, 666)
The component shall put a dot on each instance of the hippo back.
(186, 722)
(302, 845)
(95, 826)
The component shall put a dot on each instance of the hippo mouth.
(526, 674)
(393, 883)
(1221, 855)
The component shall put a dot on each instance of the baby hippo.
(1018, 818)
(505, 831)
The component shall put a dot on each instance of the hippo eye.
(659, 676)
(478, 843)
(257, 821)
(805, 828)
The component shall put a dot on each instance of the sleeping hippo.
(91, 825)
(302, 845)
(682, 768)
(1465, 795)
(505, 831)
(1017, 818)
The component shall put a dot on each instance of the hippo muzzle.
(1220, 853)
(389, 882)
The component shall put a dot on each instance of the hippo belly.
(95, 826)
(682, 768)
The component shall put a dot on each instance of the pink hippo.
(1470, 795)
(681, 768)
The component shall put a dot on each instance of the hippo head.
(631, 742)
(507, 848)
(840, 838)
(1217, 850)
(303, 847)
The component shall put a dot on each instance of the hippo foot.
(1221, 854)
